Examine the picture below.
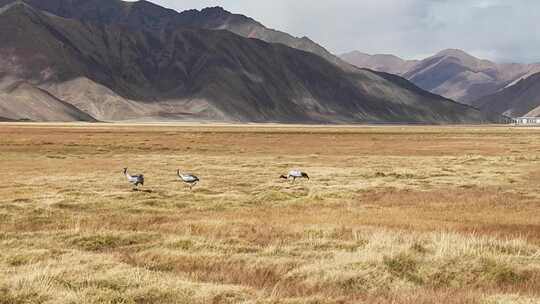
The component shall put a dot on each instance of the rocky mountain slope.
(148, 16)
(23, 101)
(450, 73)
(216, 18)
(520, 99)
(146, 66)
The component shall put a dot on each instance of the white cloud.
(505, 30)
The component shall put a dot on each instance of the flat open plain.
(391, 214)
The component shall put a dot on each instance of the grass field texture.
(390, 215)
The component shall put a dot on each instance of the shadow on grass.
(143, 191)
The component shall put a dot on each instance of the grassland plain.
(391, 214)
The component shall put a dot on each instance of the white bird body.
(135, 180)
(294, 174)
(189, 179)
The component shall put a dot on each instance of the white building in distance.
(527, 121)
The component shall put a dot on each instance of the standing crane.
(189, 179)
(135, 180)
(294, 174)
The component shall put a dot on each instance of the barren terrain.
(390, 215)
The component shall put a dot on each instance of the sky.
(498, 30)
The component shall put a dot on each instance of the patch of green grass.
(271, 196)
(182, 245)
(449, 274)
(104, 242)
(501, 273)
(404, 266)
(419, 248)
(7, 296)
(19, 260)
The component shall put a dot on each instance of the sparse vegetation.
(391, 215)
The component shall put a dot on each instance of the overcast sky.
(500, 30)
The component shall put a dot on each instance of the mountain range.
(75, 60)
(459, 76)
(144, 15)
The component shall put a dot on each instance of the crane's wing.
(295, 173)
(192, 178)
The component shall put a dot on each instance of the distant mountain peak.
(379, 62)
(218, 11)
(19, 4)
(215, 9)
(454, 52)
(463, 56)
(210, 11)
(355, 52)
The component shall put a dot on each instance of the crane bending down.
(294, 174)
(135, 180)
(189, 179)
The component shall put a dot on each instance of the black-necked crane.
(135, 180)
(294, 174)
(189, 179)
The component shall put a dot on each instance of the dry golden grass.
(391, 215)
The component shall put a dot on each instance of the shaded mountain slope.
(520, 99)
(117, 72)
(219, 19)
(148, 16)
